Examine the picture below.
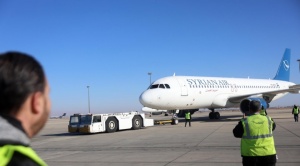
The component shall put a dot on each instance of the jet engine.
(244, 106)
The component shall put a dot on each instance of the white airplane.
(58, 117)
(182, 93)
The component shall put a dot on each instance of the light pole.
(299, 63)
(150, 76)
(88, 87)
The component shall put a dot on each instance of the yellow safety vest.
(262, 112)
(188, 115)
(296, 110)
(7, 151)
(257, 139)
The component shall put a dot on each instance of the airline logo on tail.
(286, 65)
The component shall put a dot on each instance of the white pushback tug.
(96, 123)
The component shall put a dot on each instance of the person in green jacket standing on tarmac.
(257, 141)
(295, 111)
(24, 108)
(188, 118)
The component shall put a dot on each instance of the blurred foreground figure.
(256, 133)
(24, 107)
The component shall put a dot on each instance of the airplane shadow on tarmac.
(63, 134)
(222, 119)
(70, 134)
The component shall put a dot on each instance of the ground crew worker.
(295, 111)
(263, 111)
(24, 108)
(257, 143)
(188, 118)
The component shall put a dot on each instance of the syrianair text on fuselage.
(197, 82)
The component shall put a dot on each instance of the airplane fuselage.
(191, 92)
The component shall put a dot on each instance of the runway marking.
(277, 124)
(61, 154)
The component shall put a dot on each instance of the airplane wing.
(269, 95)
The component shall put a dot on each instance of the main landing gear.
(214, 115)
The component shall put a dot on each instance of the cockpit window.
(162, 86)
(167, 86)
(154, 86)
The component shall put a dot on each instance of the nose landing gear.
(214, 115)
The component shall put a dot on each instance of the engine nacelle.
(244, 106)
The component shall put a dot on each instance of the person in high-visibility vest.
(263, 111)
(256, 133)
(188, 118)
(295, 111)
(24, 107)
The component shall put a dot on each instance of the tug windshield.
(81, 119)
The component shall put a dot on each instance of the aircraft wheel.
(136, 123)
(174, 121)
(111, 125)
(217, 115)
(211, 115)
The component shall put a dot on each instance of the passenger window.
(96, 119)
(167, 86)
(154, 86)
(161, 86)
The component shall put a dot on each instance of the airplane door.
(183, 87)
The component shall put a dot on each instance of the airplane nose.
(145, 98)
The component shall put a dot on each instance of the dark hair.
(254, 106)
(20, 76)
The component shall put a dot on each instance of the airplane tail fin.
(283, 72)
(62, 115)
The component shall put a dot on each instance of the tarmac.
(206, 143)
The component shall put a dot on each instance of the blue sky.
(112, 45)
